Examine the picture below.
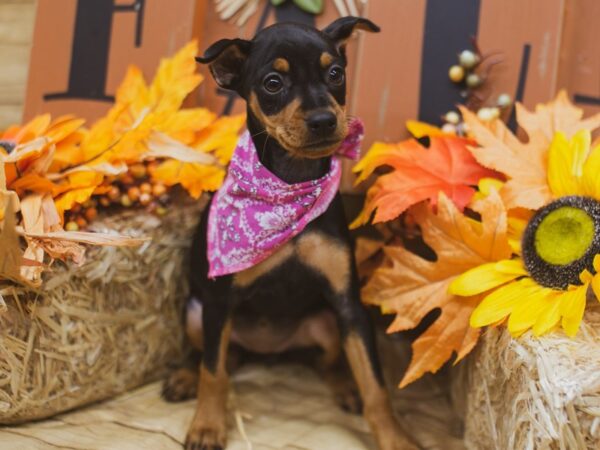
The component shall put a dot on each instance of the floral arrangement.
(514, 226)
(55, 175)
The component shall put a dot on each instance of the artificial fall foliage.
(525, 163)
(411, 287)
(49, 168)
(418, 174)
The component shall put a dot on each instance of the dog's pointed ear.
(225, 59)
(340, 30)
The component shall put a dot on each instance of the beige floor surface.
(278, 407)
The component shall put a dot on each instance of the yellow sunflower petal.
(486, 277)
(565, 162)
(550, 316)
(572, 306)
(529, 309)
(497, 305)
(421, 129)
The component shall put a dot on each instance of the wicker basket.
(97, 330)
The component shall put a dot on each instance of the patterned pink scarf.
(254, 212)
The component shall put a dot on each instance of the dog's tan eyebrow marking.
(325, 59)
(281, 65)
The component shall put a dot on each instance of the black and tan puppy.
(306, 294)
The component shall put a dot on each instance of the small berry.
(474, 80)
(104, 201)
(146, 188)
(456, 74)
(81, 222)
(485, 114)
(91, 214)
(76, 208)
(125, 200)
(452, 117)
(161, 210)
(138, 170)
(449, 128)
(468, 59)
(133, 193)
(495, 112)
(114, 193)
(158, 189)
(127, 179)
(504, 100)
(71, 226)
(462, 128)
(145, 198)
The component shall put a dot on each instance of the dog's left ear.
(341, 29)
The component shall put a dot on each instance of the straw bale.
(534, 393)
(94, 331)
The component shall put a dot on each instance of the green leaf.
(277, 2)
(311, 6)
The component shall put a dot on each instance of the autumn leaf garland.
(48, 167)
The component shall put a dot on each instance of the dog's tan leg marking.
(281, 65)
(326, 59)
(248, 276)
(377, 408)
(209, 426)
(328, 257)
(193, 324)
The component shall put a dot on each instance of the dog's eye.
(273, 83)
(336, 75)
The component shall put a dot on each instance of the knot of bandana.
(254, 212)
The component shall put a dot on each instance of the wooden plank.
(579, 69)
(16, 30)
(16, 22)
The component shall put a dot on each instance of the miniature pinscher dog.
(307, 293)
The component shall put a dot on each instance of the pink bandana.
(254, 212)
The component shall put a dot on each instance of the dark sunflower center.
(561, 241)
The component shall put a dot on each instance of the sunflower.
(558, 260)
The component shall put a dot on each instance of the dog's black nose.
(322, 123)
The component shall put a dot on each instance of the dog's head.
(293, 79)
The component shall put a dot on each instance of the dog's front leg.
(360, 348)
(333, 259)
(208, 430)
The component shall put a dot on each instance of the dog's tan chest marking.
(281, 65)
(248, 276)
(327, 256)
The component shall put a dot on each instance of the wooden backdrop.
(397, 75)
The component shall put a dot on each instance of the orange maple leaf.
(410, 286)
(525, 163)
(418, 174)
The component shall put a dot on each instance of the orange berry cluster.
(134, 188)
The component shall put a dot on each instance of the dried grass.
(94, 331)
(534, 393)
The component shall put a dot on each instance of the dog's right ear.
(225, 59)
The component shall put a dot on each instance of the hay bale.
(534, 393)
(97, 330)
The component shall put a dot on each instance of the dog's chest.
(325, 256)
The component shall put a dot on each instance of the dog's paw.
(349, 400)
(180, 385)
(205, 438)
